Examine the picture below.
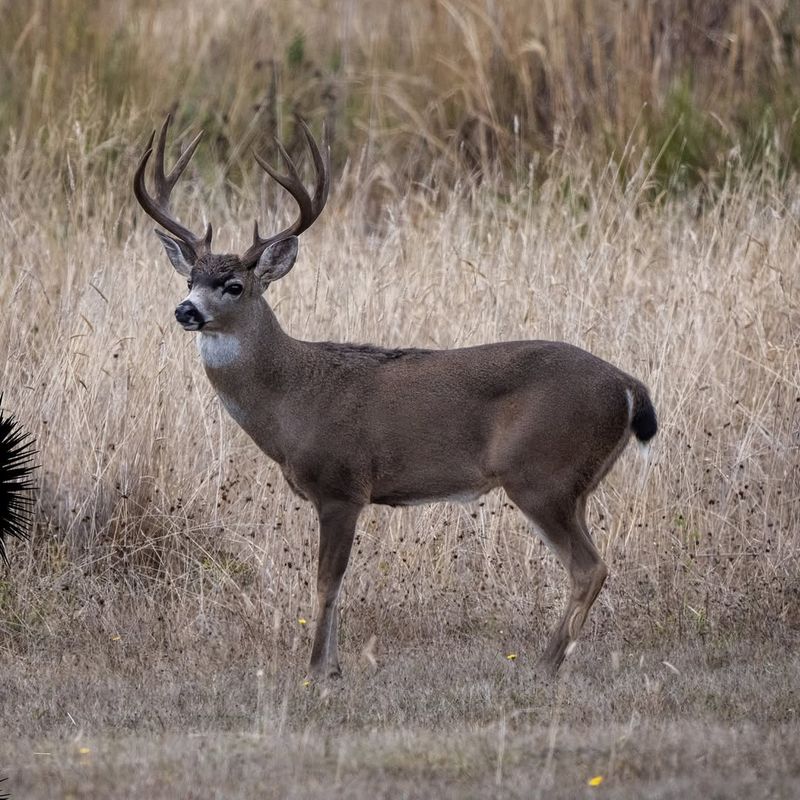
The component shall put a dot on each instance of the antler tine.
(158, 207)
(165, 183)
(322, 164)
(290, 182)
(309, 209)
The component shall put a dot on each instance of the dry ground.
(443, 716)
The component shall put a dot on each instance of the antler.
(158, 207)
(310, 208)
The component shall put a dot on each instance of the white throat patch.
(218, 350)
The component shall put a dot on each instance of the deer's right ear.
(179, 254)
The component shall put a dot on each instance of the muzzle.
(188, 316)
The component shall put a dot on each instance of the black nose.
(187, 314)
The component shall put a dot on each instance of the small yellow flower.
(116, 637)
(511, 656)
(595, 781)
(84, 751)
(306, 684)
(302, 621)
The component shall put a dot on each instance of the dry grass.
(405, 85)
(159, 523)
(144, 479)
(169, 563)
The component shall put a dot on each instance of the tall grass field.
(621, 176)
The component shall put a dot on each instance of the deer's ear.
(276, 261)
(180, 255)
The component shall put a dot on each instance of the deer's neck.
(253, 367)
(255, 349)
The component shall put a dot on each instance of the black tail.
(643, 423)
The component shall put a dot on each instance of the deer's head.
(222, 284)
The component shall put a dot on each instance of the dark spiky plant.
(17, 449)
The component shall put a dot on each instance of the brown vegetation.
(409, 85)
(169, 563)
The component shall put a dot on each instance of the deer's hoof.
(323, 673)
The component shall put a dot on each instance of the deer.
(351, 425)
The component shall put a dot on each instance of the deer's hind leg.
(561, 522)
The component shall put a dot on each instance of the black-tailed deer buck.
(351, 424)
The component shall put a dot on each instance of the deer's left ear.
(276, 261)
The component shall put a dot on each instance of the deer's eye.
(189, 284)
(233, 288)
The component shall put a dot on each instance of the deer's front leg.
(337, 527)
